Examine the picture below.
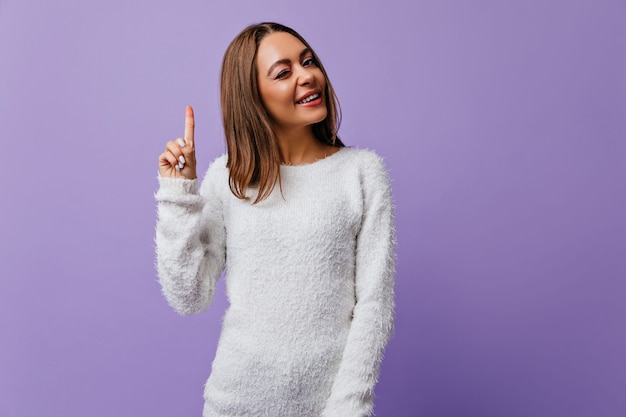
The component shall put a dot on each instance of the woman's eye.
(308, 61)
(282, 74)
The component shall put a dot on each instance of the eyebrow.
(287, 61)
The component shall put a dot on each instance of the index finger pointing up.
(189, 125)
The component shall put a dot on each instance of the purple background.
(504, 130)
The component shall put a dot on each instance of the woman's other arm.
(373, 316)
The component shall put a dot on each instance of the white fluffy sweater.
(309, 277)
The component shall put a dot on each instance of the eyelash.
(306, 63)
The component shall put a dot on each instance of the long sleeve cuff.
(180, 191)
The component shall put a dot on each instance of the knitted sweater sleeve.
(190, 241)
(372, 324)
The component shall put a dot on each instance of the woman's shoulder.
(216, 175)
(218, 166)
(365, 160)
(360, 154)
(219, 162)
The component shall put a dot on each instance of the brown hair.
(253, 154)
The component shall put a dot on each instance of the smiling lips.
(309, 97)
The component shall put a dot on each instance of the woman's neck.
(301, 147)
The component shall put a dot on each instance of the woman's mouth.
(309, 98)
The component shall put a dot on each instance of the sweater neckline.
(318, 162)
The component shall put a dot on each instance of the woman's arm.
(190, 241)
(190, 234)
(373, 316)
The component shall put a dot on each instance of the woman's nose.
(305, 76)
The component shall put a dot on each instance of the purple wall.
(504, 130)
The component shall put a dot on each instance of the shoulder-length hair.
(253, 155)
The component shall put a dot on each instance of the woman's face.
(291, 84)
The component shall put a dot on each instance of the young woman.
(304, 229)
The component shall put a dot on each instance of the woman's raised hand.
(179, 158)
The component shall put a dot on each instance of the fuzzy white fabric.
(309, 277)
